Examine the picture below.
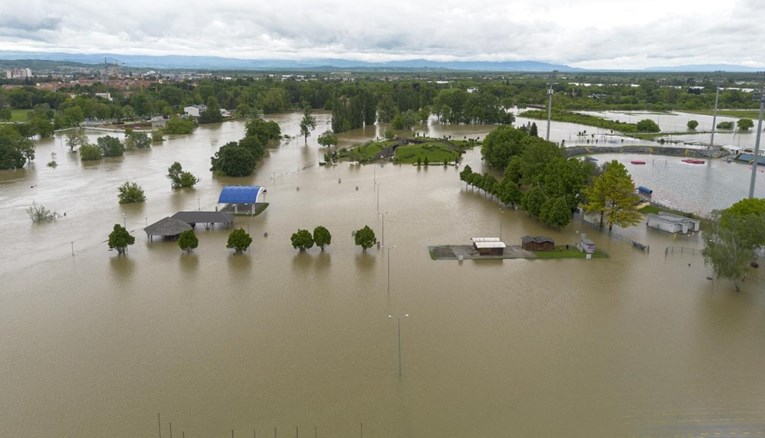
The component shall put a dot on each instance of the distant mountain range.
(217, 63)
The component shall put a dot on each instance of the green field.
(19, 115)
(435, 152)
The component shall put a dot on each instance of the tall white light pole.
(756, 158)
(398, 330)
(549, 110)
(389, 268)
(714, 120)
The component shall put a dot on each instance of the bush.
(130, 193)
(178, 125)
(38, 214)
(725, 125)
(692, 124)
(90, 152)
(647, 125)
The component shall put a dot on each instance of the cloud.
(591, 33)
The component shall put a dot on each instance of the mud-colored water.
(278, 342)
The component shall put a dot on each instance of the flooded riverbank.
(96, 345)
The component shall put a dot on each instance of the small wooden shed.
(537, 243)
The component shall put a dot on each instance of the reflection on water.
(96, 345)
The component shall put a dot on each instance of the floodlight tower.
(714, 120)
(756, 157)
(549, 102)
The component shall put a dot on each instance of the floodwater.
(278, 342)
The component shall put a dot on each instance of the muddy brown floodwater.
(278, 342)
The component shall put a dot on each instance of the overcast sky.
(580, 33)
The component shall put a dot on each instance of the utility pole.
(756, 157)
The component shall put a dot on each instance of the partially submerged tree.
(732, 238)
(322, 237)
(365, 238)
(38, 213)
(75, 138)
(119, 239)
(647, 125)
(239, 240)
(90, 152)
(180, 178)
(130, 192)
(111, 146)
(307, 124)
(188, 241)
(327, 138)
(612, 194)
(692, 124)
(137, 140)
(302, 240)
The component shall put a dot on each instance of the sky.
(606, 34)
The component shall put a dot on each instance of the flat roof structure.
(487, 242)
(208, 218)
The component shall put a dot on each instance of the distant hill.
(217, 63)
(702, 68)
(178, 62)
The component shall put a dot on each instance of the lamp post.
(501, 212)
(389, 268)
(756, 157)
(382, 234)
(124, 220)
(398, 331)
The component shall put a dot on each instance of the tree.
(119, 239)
(327, 138)
(38, 213)
(732, 237)
(365, 238)
(188, 241)
(321, 237)
(533, 130)
(302, 240)
(157, 136)
(264, 131)
(211, 114)
(179, 178)
(137, 140)
(502, 144)
(179, 125)
(239, 240)
(307, 124)
(745, 124)
(233, 160)
(75, 138)
(692, 124)
(647, 125)
(612, 194)
(90, 152)
(111, 146)
(15, 149)
(130, 192)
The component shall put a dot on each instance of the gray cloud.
(591, 33)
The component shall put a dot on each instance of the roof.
(167, 227)
(484, 245)
(671, 218)
(204, 217)
(484, 239)
(536, 239)
(240, 194)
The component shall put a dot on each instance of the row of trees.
(239, 240)
(538, 177)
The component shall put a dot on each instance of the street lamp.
(382, 243)
(398, 329)
(389, 268)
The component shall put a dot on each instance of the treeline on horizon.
(364, 99)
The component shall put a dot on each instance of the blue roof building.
(241, 195)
